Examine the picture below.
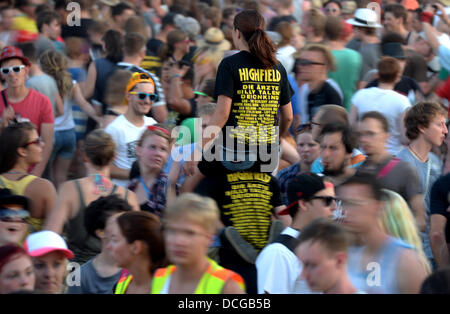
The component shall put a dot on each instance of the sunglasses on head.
(307, 125)
(142, 96)
(15, 69)
(306, 62)
(327, 199)
(11, 215)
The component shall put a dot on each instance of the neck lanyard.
(144, 186)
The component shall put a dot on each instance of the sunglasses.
(37, 141)
(306, 62)
(327, 199)
(15, 69)
(307, 125)
(142, 96)
(10, 215)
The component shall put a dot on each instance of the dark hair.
(286, 31)
(144, 226)
(168, 19)
(113, 45)
(9, 252)
(329, 233)
(46, 17)
(391, 37)
(369, 31)
(420, 115)
(99, 148)
(437, 282)
(120, 8)
(251, 24)
(369, 180)
(29, 50)
(397, 10)
(133, 44)
(209, 87)
(347, 135)
(61, 4)
(13, 137)
(379, 117)
(338, 3)
(42, 8)
(388, 70)
(98, 212)
(333, 27)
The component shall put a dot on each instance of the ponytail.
(251, 24)
(263, 48)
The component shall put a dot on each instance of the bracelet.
(175, 75)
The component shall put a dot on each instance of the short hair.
(97, 212)
(379, 117)
(168, 20)
(29, 50)
(133, 44)
(391, 37)
(329, 59)
(207, 109)
(347, 135)
(338, 3)
(136, 24)
(209, 87)
(116, 86)
(99, 148)
(201, 209)
(332, 114)
(286, 31)
(284, 3)
(397, 10)
(369, 180)
(388, 70)
(333, 27)
(317, 20)
(120, 8)
(332, 235)
(369, 31)
(74, 46)
(421, 115)
(46, 17)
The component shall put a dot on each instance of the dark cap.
(7, 198)
(303, 186)
(393, 50)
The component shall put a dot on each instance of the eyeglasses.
(327, 199)
(15, 69)
(11, 215)
(306, 62)
(331, 10)
(142, 96)
(37, 141)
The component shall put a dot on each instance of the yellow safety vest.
(212, 281)
(122, 284)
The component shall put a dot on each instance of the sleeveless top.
(18, 187)
(105, 68)
(83, 245)
(380, 275)
(212, 281)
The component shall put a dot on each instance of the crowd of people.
(224, 147)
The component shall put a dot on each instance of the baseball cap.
(188, 25)
(302, 186)
(8, 198)
(44, 242)
(11, 52)
(393, 50)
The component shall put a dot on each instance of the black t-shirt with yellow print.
(246, 201)
(256, 93)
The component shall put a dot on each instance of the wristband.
(175, 75)
(426, 17)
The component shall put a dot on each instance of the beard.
(335, 172)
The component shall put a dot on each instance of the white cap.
(43, 242)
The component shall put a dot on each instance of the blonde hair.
(201, 209)
(398, 221)
(329, 59)
(55, 64)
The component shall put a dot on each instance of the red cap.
(10, 52)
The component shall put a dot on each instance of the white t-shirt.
(387, 102)
(279, 269)
(126, 135)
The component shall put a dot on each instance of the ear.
(128, 97)
(302, 205)
(137, 247)
(341, 259)
(22, 152)
(100, 233)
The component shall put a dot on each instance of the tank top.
(18, 187)
(83, 245)
(379, 277)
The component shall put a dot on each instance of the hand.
(176, 70)
(174, 174)
(189, 167)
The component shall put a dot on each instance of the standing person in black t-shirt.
(251, 87)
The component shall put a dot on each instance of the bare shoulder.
(232, 287)
(41, 187)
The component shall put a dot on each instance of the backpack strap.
(288, 241)
(4, 99)
(387, 169)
